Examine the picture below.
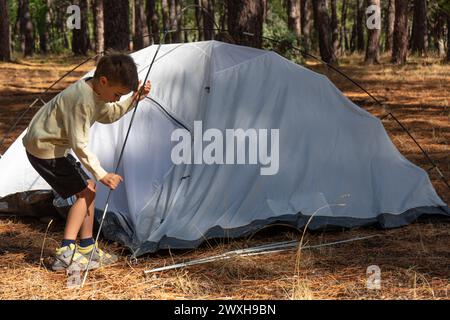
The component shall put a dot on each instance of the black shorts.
(64, 174)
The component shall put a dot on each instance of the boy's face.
(110, 92)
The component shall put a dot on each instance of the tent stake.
(253, 251)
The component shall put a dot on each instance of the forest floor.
(414, 260)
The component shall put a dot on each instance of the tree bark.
(334, 29)
(116, 22)
(5, 34)
(246, 16)
(373, 40)
(400, 44)
(294, 22)
(360, 13)
(343, 36)
(99, 28)
(26, 27)
(448, 39)
(306, 23)
(175, 36)
(80, 37)
(44, 31)
(322, 24)
(419, 35)
(198, 20)
(153, 19)
(165, 11)
(141, 38)
(208, 19)
(390, 19)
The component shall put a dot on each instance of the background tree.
(322, 24)
(208, 19)
(165, 12)
(80, 37)
(306, 23)
(389, 25)
(175, 36)
(153, 19)
(293, 21)
(5, 35)
(99, 28)
(343, 41)
(373, 40)
(334, 25)
(141, 38)
(117, 32)
(419, 36)
(360, 25)
(245, 16)
(26, 27)
(448, 39)
(400, 44)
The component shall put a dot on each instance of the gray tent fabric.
(336, 164)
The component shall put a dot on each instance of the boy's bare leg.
(88, 223)
(78, 212)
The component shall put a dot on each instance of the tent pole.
(136, 102)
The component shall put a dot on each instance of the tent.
(310, 154)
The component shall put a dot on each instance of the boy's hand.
(111, 180)
(145, 90)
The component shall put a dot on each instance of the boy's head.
(116, 75)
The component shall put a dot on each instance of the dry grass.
(414, 260)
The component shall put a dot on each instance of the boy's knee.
(88, 192)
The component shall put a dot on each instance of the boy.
(63, 124)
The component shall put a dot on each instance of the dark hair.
(119, 69)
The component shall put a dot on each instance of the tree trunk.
(26, 27)
(116, 22)
(294, 23)
(448, 39)
(175, 36)
(343, 41)
(198, 20)
(44, 31)
(360, 14)
(60, 22)
(141, 37)
(420, 28)
(208, 19)
(5, 35)
(99, 28)
(306, 22)
(400, 44)
(322, 24)
(153, 19)
(438, 33)
(80, 37)
(165, 17)
(390, 19)
(373, 40)
(334, 29)
(246, 16)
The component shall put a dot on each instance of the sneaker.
(101, 257)
(68, 256)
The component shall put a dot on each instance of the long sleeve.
(77, 124)
(114, 111)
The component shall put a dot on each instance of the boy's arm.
(77, 124)
(114, 111)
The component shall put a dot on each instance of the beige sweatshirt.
(64, 123)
